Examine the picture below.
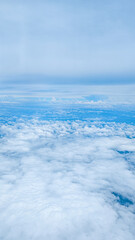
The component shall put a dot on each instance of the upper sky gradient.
(78, 38)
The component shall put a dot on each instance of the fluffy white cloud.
(67, 180)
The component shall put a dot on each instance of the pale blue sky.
(67, 39)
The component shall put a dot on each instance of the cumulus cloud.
(67, 180)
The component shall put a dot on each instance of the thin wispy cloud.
(104, 95)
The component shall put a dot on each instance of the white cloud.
(104, 96)
(64, 180)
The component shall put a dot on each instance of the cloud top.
(67, 180)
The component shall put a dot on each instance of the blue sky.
(67, 40)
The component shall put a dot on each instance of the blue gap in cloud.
(122, 200)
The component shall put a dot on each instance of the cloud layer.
(67, 180)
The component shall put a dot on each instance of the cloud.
(67, 180)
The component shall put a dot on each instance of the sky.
(67, 119)
(67, 41)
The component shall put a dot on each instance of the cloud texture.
(67, 180)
